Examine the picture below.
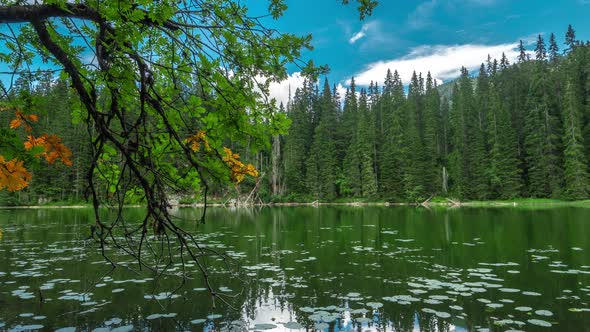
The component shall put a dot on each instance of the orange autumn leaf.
(52, 146)
(22, 119)
(13, 176)
(15, 123)
(32, 141)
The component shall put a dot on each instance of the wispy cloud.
(423, 15)
(367, 28)
(443, 61)
(357, 36)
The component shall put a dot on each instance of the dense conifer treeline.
(510, 130)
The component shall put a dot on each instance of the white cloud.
(357, 36)
(443, 61)
(341, 89)
(369, 29)
(280, 90)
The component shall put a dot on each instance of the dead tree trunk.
(276, 168)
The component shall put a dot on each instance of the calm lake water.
(329, 269)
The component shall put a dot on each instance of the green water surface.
(304, 268)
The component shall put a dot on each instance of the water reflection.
(331, 269)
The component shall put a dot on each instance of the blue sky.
(423, 35)
(435, 35)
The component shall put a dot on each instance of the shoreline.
(450, 204)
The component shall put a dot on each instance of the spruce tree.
(577, 182)
(349, 182)
(365, 148)
(503, 171)
(553, 48)
(570, 39)
(542, 137)
(415, 167)
(432, 145)
(540, 50)
(504, 63)
(393, 157)
(322, 163)
(298, 141)
(522, 55)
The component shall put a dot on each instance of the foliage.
(516, 130)
(165, 90)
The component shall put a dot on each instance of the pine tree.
(322, 163)
(349, 182)
(432, 145)
(298, 143)
(358, 162)
(504, 63)
(577, 181)
(444, 144)
(522, 55)
(479, 132)
(457, 172)
(553, 48)
(392, 159)
(365, 148)
(468, 155)
(570, 39)
(414, 182)
(540, 51)
(542, 137)
(503, 171)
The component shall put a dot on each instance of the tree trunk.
(276, 168)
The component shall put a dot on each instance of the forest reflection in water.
(328, 268)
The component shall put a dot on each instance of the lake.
(305, 268)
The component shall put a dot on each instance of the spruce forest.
(506, 131)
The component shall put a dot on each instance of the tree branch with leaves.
(156, 81)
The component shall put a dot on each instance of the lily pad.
(125, 328)
(293, 325)
(539, 322)
(264, 326)
(442, 314)
(66, 329)
(545, 313)
(321, 326)
(375, 305)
